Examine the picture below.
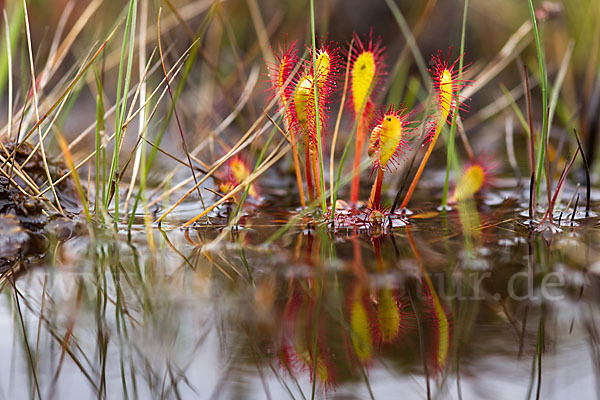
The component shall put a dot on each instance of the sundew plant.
(389, 133)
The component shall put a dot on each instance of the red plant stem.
(360, 141)
(375, 199)
(309, 182)
(415, 180)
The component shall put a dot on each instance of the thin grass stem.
(451, 155)
(121, 103)
(317, 111)
(544, 86)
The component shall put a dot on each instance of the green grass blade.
(544, 85)
(317, 116)
(121, 103)
(451, 155)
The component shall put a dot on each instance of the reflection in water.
(350, 315)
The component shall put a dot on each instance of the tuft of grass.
(541, 154)
(123, 81)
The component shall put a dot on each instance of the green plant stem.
(451, 150)
(122, 84)
(317, 116)
(544, 86)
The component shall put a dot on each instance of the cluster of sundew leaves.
(293, 79)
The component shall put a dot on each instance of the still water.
(468, 304)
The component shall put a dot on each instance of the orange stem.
(297, 170)
(415, 180)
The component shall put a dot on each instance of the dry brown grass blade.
(249, 136)
(261, 30)
(286, 137)
(51, 124)
(232, 152)
(171, 156)
(15, 184)
(110, 111)
(170, 22)
(508, 53)
(65, 92)
(262, 168)
(185, 149)
(112, 59)
(131, 115)
(110, 138)
(35, 105)
(16, 170)
(57, 57)
(217, 131)
(142, 55)
(216, 264)
(172, 73)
